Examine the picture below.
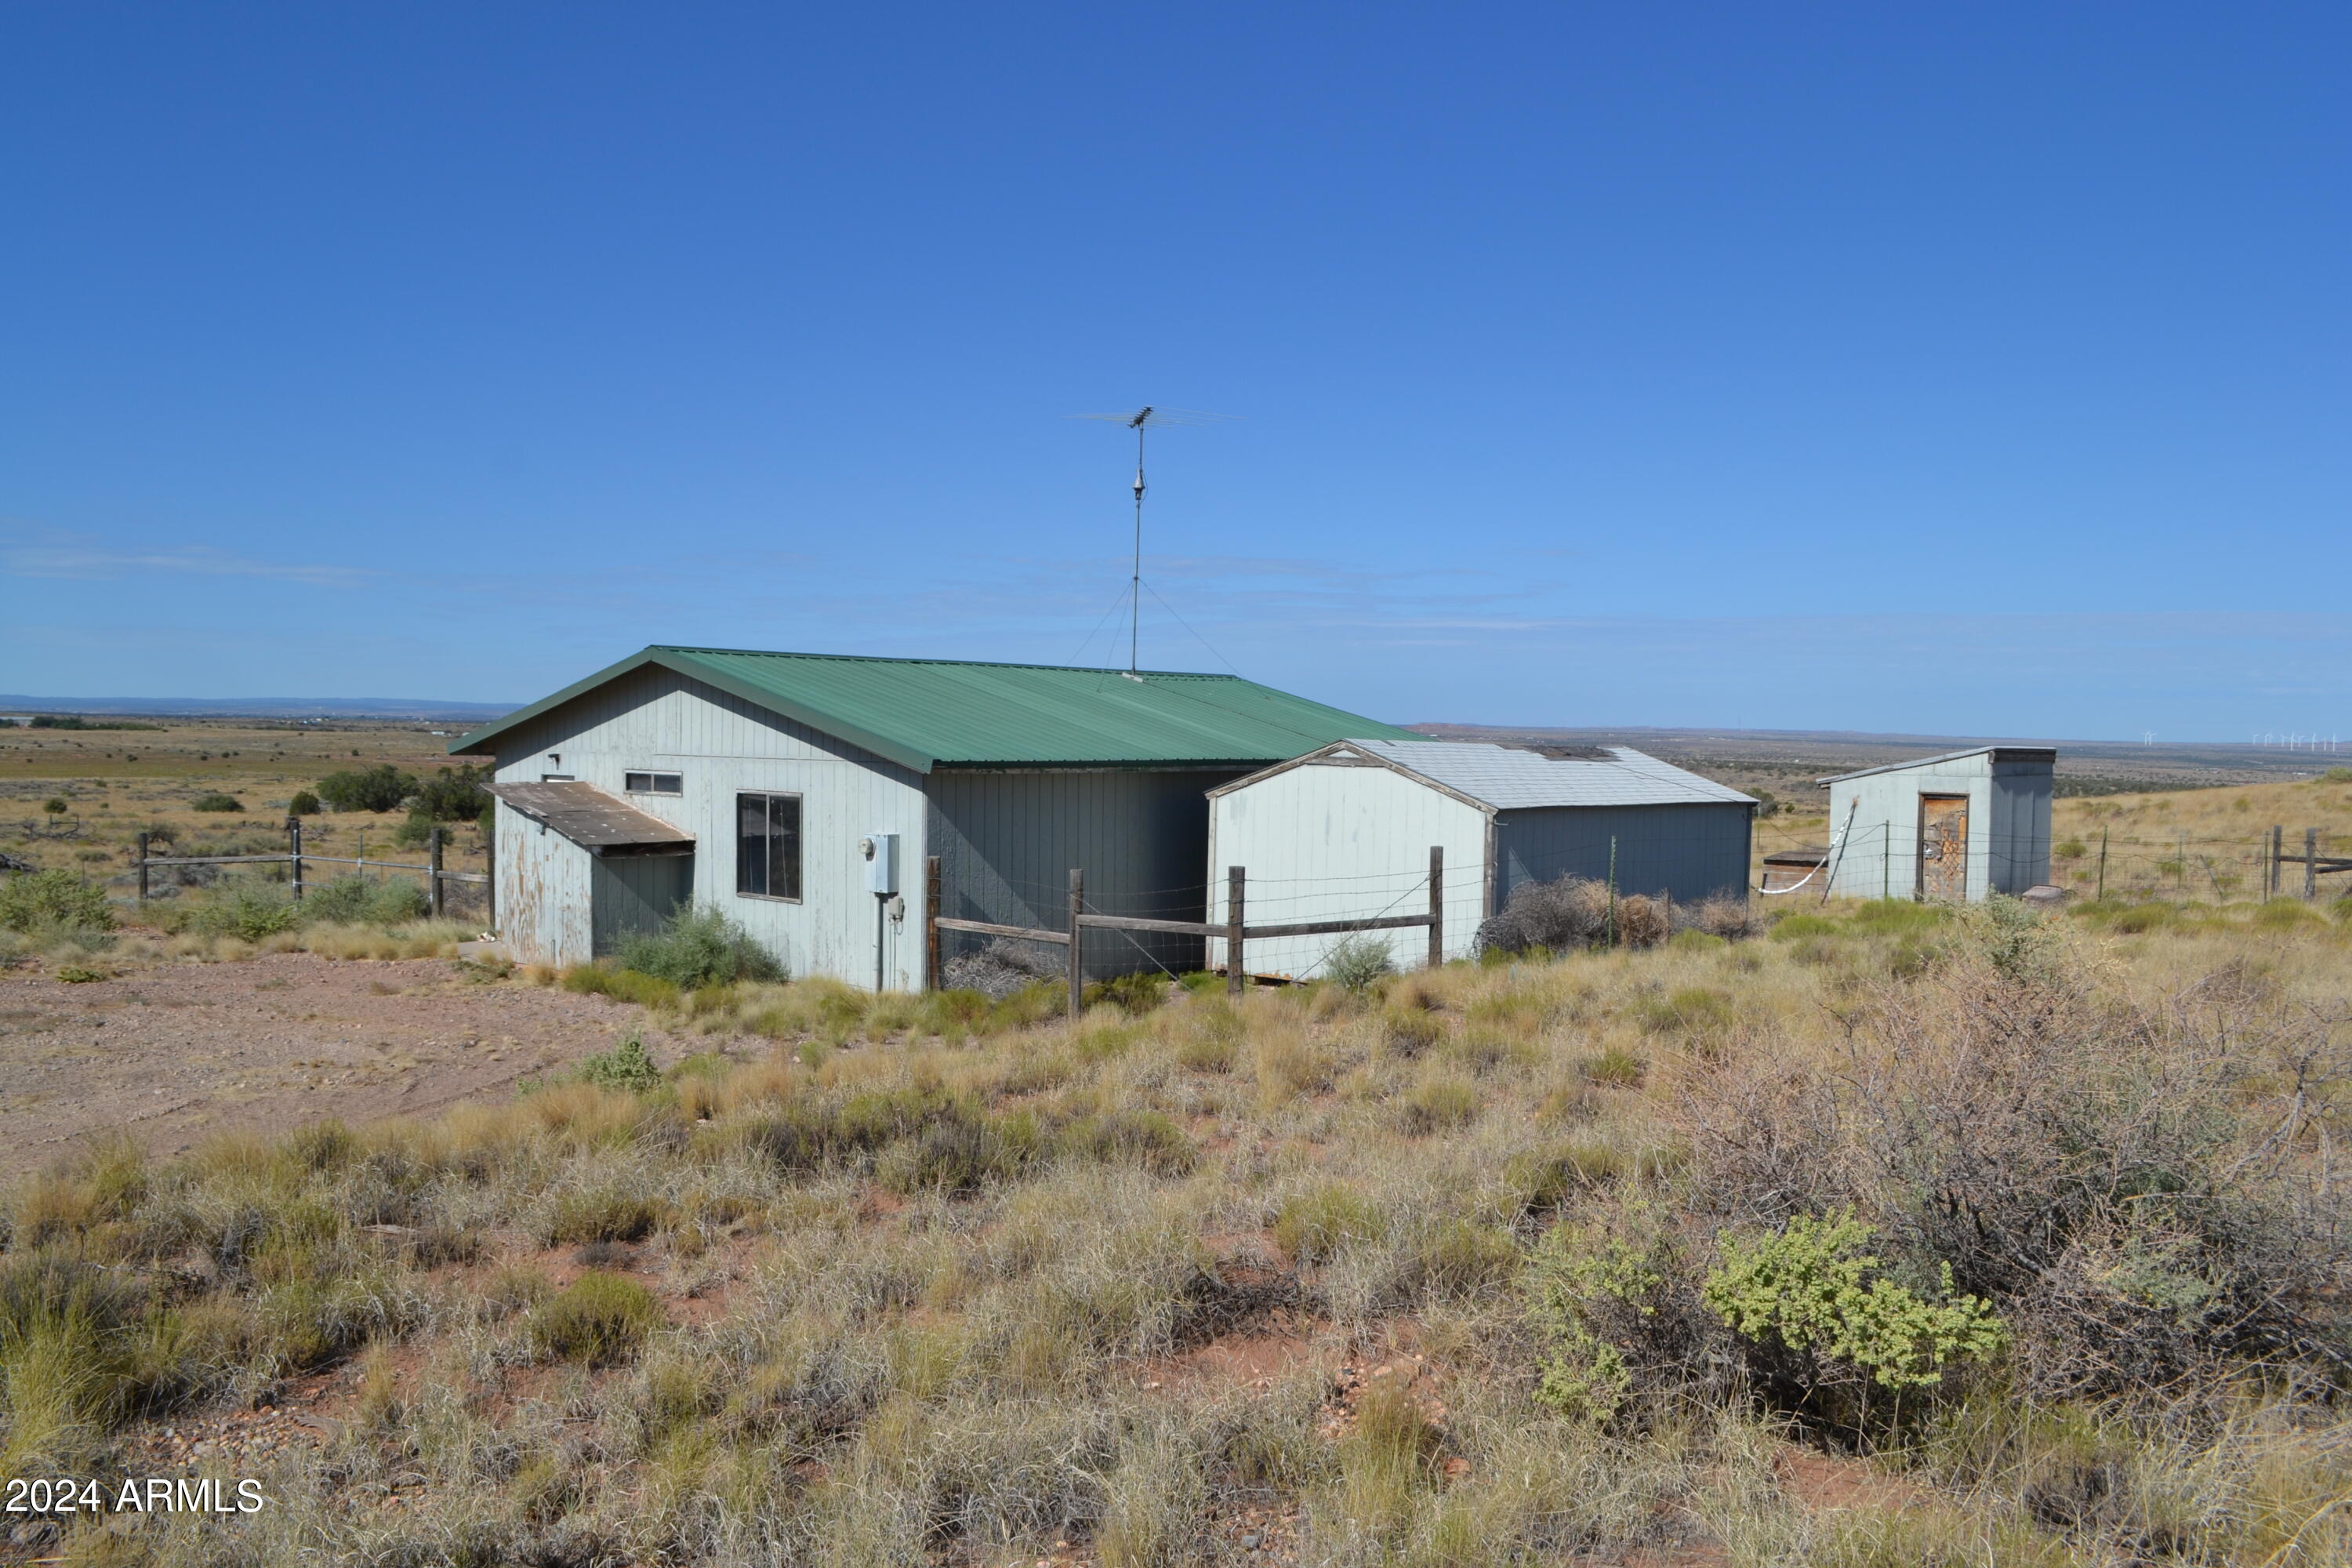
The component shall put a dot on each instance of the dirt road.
(174, 1051)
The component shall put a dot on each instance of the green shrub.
(1315, 1225)
(1811, 1290)
(304, 803)
(1136, 995)
(454, 795)
(626, 1067)
(379, 788)
(356, 900)
(1789, 928)
(1357, 961)
(695, 948)
(599, 1320)
(1591, 1295)
(216, 802)
(56, 805)
(247, 912)
(53, 901)
(621, 985)
(1142, 1138)
(603, 1216)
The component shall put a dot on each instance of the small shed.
(1344, 831)
(1953, 829)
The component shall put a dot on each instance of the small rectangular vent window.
(654, 783)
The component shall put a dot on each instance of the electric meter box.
(881, 851)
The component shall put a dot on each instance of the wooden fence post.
(1436, 906)
(2103, 865)
(1234, 883)
(932, 922)
(433, 899)
(2270, 864)
(2310, 864)
(142, 868)
(294, 852)
(1077, 942)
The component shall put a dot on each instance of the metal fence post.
(1436, 906)
(142, 868)
(1234, 880)
(491, 874)
(294, 853)
(1077, 942)
(434, 898)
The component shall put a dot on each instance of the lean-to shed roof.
(927, 712)
(1507, 779)
(1998, 753)
(599, 823)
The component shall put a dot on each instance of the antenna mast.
(1135, 582)
(1145, 418)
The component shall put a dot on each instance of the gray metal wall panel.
(1006, 841)
(1691, 852)
(636, 893)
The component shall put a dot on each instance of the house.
(803, 794)
(1952, 828)
(1345, 832)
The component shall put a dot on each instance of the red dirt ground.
(172, 1051)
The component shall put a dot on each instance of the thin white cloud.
(60, 556)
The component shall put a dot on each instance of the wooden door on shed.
(1944, 847)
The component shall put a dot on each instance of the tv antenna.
(1144, 419)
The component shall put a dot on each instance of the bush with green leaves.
(1824, 1311)
(699, 947)
(379, 788)
(245, 911)
(453, 794)
(216, 800)
(361, 900)
(304, 803)
(599, 1320)
(53, 901)
(56, 805)
(1357, 961)
(627, 1067)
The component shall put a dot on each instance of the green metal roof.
(921, 712)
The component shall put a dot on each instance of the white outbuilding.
(1345, 831)
(1953, 829)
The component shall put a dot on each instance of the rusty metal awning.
(598, 823)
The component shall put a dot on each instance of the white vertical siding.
(1323, 842)
(544, 892)
(1881, 852)
(654, 719)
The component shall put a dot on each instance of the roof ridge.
(967, 663)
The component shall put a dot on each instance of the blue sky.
(1959, 369)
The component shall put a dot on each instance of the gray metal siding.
(1007, 840)
(1691, 852)
(2021, 825)
(636, 893)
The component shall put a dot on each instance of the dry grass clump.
(2033, 1224)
